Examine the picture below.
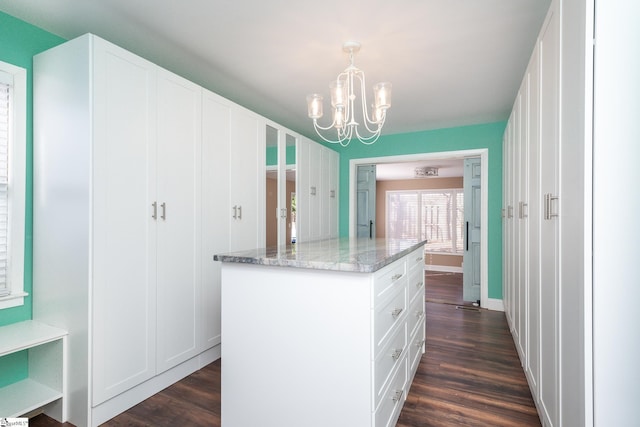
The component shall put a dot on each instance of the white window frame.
(16, 186)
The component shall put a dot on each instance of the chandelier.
(343, 105)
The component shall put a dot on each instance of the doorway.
(450, 277)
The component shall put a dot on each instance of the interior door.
(366, 201)
(472, 214)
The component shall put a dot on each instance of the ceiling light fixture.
(343, 97)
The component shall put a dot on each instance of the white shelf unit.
(45, 384)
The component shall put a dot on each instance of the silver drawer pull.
(419, 259)
(419, 343)
(418, 284)
(395, 313)
(397, 395)
(396, 354)
(396, 277)
(419, 314)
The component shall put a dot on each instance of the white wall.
(616, 229)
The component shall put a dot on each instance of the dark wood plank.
(470, 375)
(443, 287)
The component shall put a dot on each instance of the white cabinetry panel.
(124, 233)
(317, 191)
(179, 228)
(216, 113)
(246, 180)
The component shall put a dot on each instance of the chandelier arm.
(340, 139)
(317, 126)
(365, 113)
(368, 140)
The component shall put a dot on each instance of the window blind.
(435, 215)
(5, 135)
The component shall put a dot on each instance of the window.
(13, 110)
(435, 215)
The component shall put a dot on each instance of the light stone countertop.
(343, 254)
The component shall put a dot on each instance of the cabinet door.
(549, 46)
(315, 191)
(334, 180)
(124, 240)
(302, 190)
(178, 219)
(216, 115)
(246, 180)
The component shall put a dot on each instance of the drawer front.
(388, 359)
(416, 259)
(416, 348)
(415, 315)
(388, 280)
(415, 284)
(393, 398)
(387, 316)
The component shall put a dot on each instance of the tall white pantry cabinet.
(122, 256)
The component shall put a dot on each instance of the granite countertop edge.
(304, 255)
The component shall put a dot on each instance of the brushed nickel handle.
(163, 205)
(396, 354)
(396, 276)
(397, 395)
(419, 284)
(235, 212)
(395, 313)
(239, 212)
(154, 205)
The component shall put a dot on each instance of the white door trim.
(493, 304)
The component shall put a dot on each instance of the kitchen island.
(325, 333)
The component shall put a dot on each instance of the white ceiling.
(451, 62)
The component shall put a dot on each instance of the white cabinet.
(117, 222)
(216, 125)
(341, 347)
(178, 181)
(246, 179)
(317, 191)
(531, 221)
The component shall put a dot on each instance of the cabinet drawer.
(393, 398)
(416, 259)
(388, 280)
(415, 284)
(415, 315)
(388, 359)
(387, 316)
(416, 348)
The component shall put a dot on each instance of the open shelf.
(45, 383)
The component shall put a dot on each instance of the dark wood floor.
(444, 287)
(470, 375)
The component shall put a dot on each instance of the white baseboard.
(443, 268)
(494, 304)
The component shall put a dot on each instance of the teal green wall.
(19, 41)
(487, 136)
